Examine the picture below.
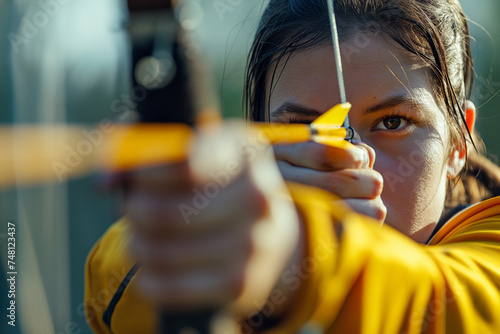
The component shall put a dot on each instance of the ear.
(457, 160)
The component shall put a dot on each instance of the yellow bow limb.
(33, 154)
(53, 153)
(144, 145)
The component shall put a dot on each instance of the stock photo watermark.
(11, 273)
(437, 306)
(96, 303)
(94, 138)
(74, 156)
(407, 167)
(250, 148)
(31, 25)
(222, 7)
(291, 280)
(485, 89)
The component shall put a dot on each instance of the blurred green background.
(72, 68)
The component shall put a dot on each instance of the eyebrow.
(391, 103)
(292, 107)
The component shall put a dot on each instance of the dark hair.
(436, 31)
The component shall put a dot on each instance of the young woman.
(283, 265)
(410, 62)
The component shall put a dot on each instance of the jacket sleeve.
(94, 309)
(358, 277)
(112, 303)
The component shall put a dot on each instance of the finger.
(373, 208)
(167, 179)
(346, 183)
(370, 155)
(223, 153)
(207, 209)
(184, 254)
(320, 157)
(196, 288)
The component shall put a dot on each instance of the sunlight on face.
(395, 111)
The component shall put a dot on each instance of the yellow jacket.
(356, 277)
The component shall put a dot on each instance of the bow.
(72, 151)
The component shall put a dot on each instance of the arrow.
(51, 153)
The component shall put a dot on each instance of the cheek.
(414, 183)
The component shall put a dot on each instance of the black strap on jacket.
(106, 317)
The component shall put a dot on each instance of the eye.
(392, 123)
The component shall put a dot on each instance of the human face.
(395, 111)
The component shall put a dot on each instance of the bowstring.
(338, 58)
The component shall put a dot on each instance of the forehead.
(373, 70)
